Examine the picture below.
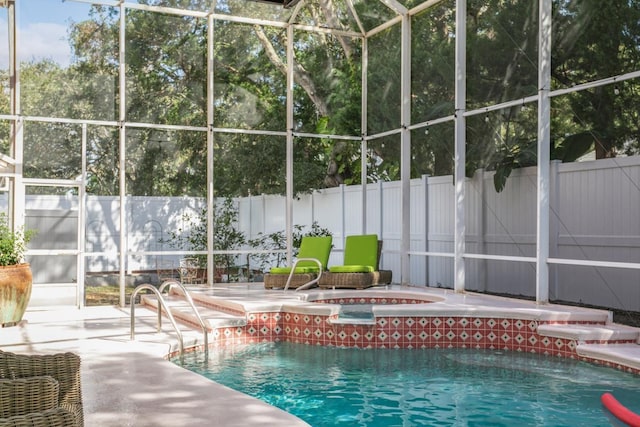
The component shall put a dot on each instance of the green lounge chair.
(312, 260)
(360, 268)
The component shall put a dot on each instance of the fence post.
(544, 141)
(425, 188)
(460, 145)
(481, 218)
(554, 224)
(343, 213)
(313, 208)
(380, 211)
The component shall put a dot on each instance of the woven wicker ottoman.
(330, 280)
(279, 281)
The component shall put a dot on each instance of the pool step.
(183, 313)
(619, 354)
(591, 333)
(205, 298)
(612, 342)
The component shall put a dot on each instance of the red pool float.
(619, 411)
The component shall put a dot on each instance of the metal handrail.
(203, 326)
(161, 302)
(309, 283)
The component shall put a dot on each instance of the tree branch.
(300, 75)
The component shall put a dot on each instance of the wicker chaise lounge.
(40, 390)
(361, 265)
(312, 260)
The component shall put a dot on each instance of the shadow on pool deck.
(130, 383)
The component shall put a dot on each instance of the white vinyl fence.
(595, 215)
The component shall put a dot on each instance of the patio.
(131, 383)
(427, 122)
(336, 97)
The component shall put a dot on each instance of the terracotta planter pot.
(15, 291)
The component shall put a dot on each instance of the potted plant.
(15, 274)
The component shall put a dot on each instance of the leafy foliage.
(13, 244)
(277, 242)
(193, 236)
(166, 84)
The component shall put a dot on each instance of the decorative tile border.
(397, 332)
(613, 365)
(312, 324)
(409, 332)
(573, 322)
(372, 300)
(208, 303)
(399, 329)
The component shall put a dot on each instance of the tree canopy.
(166, 83)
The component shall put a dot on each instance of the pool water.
(357, 312)
(329, 386)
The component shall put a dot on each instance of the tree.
(166, 78)
(166, 83)
(193, 237)
(592, 45)
(588, 45)
(277, 242)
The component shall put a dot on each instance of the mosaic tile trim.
(372, 300)
(565, 322)
(403, 332)
(613, 341)
(613, 365)
(398, 332)
(219, 307)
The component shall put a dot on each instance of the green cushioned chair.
(360, 255)
(312, 260)
(360, 268)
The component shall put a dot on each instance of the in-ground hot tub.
(360, 307)
(373, 297)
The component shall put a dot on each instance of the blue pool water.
(328, 386)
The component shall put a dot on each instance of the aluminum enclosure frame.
(403, 16)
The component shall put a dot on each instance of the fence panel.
(595, 208)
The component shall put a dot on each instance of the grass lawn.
(107, 295)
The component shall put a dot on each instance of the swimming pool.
(330, 386)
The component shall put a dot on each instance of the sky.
(42, 29)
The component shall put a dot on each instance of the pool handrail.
(161, 305)
(168, 284)
(309, 283)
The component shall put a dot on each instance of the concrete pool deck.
(130, 383)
